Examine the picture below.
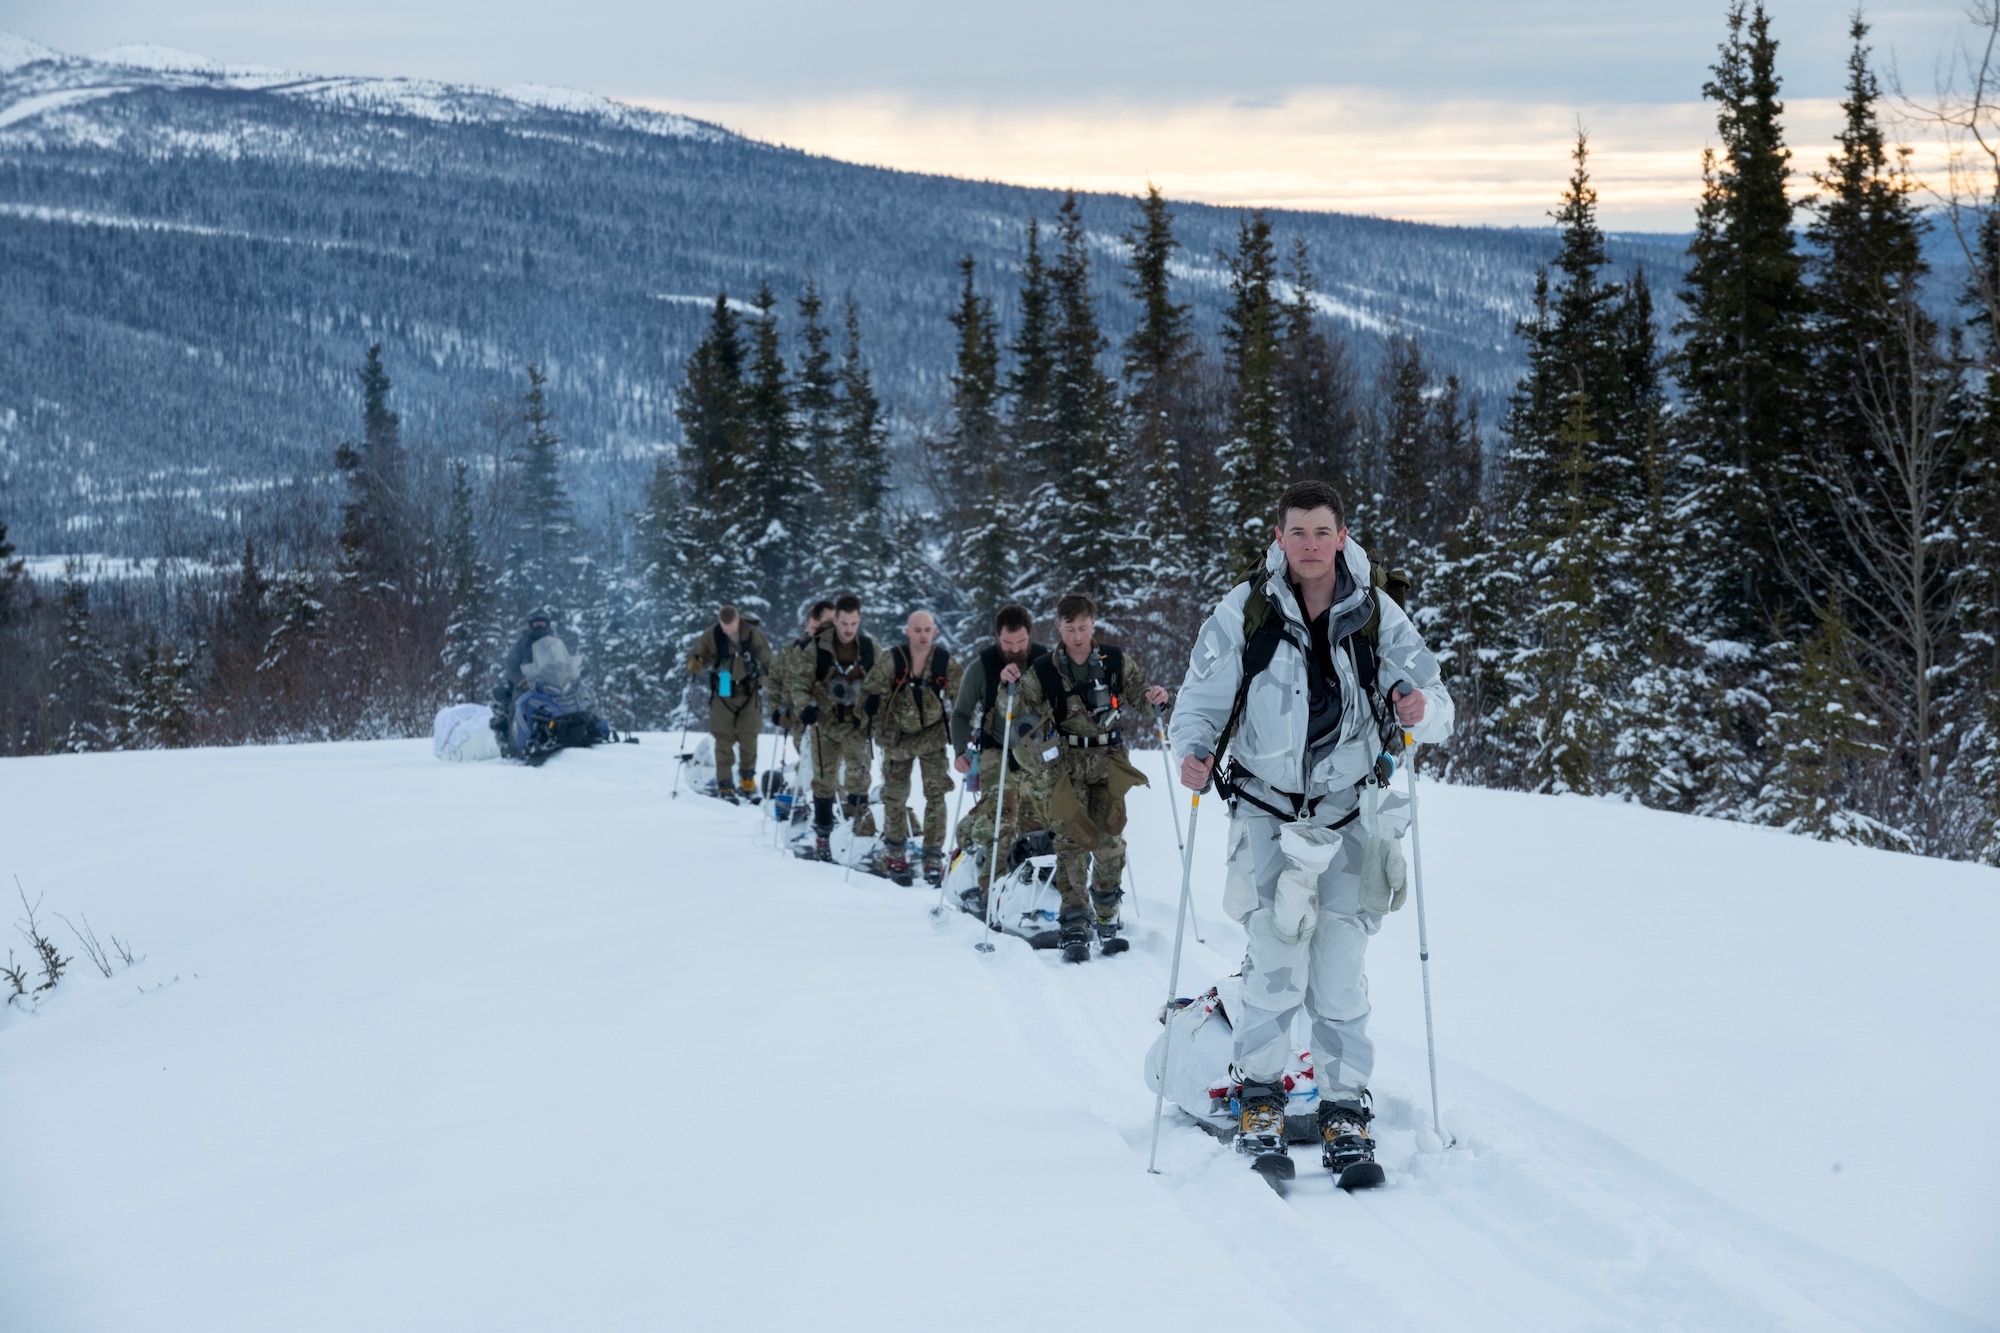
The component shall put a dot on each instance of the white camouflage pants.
(1308, 942)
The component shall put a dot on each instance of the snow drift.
(418, 1045)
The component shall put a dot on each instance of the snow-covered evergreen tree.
(1562, 676)
(979, 484)
(542, 551)
(774, 501)
(471, 649)
(85, 703)
(713, 546)
(1256, 454)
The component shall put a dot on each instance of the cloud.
(1354, 150)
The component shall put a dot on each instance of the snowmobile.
(553, 711)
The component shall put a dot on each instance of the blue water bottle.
(722, 685)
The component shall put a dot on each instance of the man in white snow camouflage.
(1313, 864)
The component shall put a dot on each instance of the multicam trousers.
(898, 765)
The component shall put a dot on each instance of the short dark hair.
(819, 608)
(1012, 616)
(726, 614)
(848, 604)
(1311, 495)
(1076, 606)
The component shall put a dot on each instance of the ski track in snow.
(418, 1045)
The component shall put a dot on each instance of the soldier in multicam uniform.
(908, 694)
(828, 700)
(792, 659)
(1309, 878)
(734, 655)
(1080, 693)
(976, 721)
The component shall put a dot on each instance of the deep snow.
(421, 1045)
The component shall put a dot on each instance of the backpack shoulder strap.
(867, 653)
(901, 657)
(940, 664)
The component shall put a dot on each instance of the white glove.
(1384, 877)
(1308, 851)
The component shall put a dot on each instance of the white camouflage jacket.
(1270, 740)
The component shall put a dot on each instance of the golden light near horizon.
(1468, 162)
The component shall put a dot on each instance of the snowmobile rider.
(793, 658)
(976, 721)
(733, 656)
(513, 673)
(828, 700)
(909, 694)
(1313, 863)
(1079, 694)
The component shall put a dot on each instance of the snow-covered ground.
(428, 1046)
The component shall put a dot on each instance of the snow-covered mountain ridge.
(416, 1045)
(222, 244)
(45, 80)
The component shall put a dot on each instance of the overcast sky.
(1452, 110)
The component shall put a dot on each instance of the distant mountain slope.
(193, 257)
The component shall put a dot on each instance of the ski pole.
(999, 812)
(1167, 762)
(958, 808)
(1174, 976)
(1424, 941)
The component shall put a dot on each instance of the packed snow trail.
(422, 1046)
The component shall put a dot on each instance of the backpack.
(826, 662)
(1058, 693)
(935, 678)
(1263, 632)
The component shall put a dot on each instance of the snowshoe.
(727, 794)
(1260, 1130)
(933, 866)
(896, 864)
(822, 848)
(1109, 941)
(747, 791)
(1346, 1148)
(1075, 941)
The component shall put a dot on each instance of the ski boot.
(1260, 1130)
(1109, 941)
(896, 863)
(747, 789)
(726, 793)
(1345, 1147)
(934, 866)
(1075, 938)
(822, 829)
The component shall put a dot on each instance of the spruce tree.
(12, 570)
(1467, 612)
(1562, 676)
(1030, 387)
(773, 499)
(978, 481)
(1160, 362)
(544, 536)
(374, 524)
(1825, 740)
(854, 555)
(1085, 460)
(84, 705)
(710, 407)
(469, 648)
(1254, 458)
(1321, 416)
(1743, 362)
(160, 710)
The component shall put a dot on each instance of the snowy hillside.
(422, 1046)
(223, 243)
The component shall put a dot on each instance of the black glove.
(809, 714)
(872, 704)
